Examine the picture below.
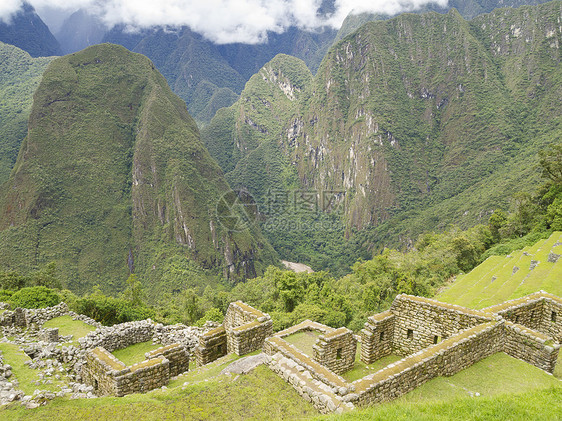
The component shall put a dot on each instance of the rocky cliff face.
(112, 174)
(422, 119)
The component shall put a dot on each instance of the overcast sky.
(221, 21)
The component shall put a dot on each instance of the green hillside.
(502, 278)
(420, 121)
(112, 177)
(19, 77)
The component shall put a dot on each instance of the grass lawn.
(536, 405)
(494, 375)
(259, 395)
(361, 370)
(304, 340)
(67, 326)
(135, 353)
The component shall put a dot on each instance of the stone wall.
(100, 371)
(243, 331)
(176, 354)
(539, 311)
(530, 346)
(421, 322)
(525, 312)
(552, 318)
(336, 350)
(444, 359)
(109, 376)
(246, 328)
(212, 345)
(445, 338)
(119, 336)
(377, 337)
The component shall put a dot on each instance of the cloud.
(222, 21)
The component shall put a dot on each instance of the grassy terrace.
(361, 370)
(135, 353)
(67, 326)
(502, 278)
(304, 340)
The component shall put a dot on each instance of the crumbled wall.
(377, 337)
(25, 317)
(336, 350)
(119, 336)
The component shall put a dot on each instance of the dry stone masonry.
(243, 331)
(109, 376)
(435, 339)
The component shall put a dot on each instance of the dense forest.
(293, 297)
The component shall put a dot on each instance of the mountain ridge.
(112, 175)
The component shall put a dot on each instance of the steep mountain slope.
(209, 76)
(80, 30)
(422, 120)
(19, 77)
(249, 153)
(112, 176)
(27, 31)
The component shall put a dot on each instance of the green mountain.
(27, 31)
(112, 177)
(422, 120)
(19, 77)
(209, 76)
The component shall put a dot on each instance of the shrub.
(35, 297)
(213, 314)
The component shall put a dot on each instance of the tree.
(134, 290)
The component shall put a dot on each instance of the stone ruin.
(434, 339)
(109, 376)
(243, 331)
(90, 368)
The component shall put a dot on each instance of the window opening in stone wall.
(516, 319)
(381, 337)
(219, 349)
(96, 385)
(436, 339)
(410, 334)
(338, 354)
(553, 317)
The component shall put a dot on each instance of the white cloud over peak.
(222, 21)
